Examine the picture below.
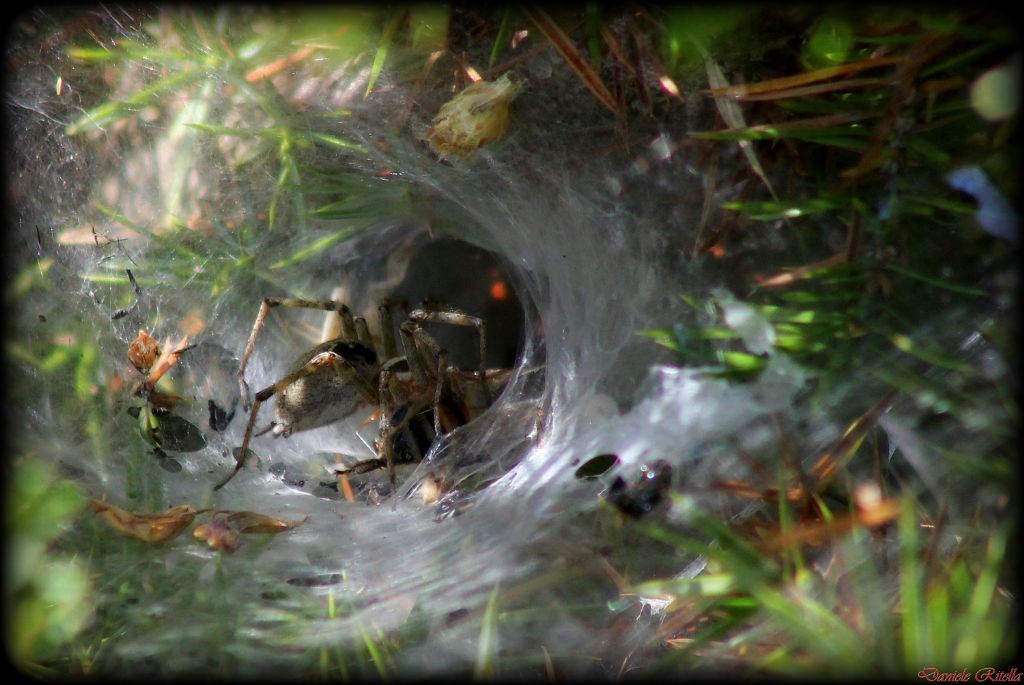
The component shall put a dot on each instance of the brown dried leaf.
(251, 522)
(149, 528)
(268, 70)
(163, 400)
(817, 533)
(817, 89)
(168, 357)
(795, 274)
(829, 463)
(927, 48)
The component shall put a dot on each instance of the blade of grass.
(567, 49)
(383, 47)
(829, 124)
(914, 627)
(817, 89)
(487, 647)
(594, 31)
(908, 345)
(116, 110)
(120, 218)
(374, 652)
(957, 288)
(815, 627)
(730, 111)
(937, 613)
(500, 39)
(788, 82)
(334, 141)
(773, 210)
(970, 647)
(315, 248)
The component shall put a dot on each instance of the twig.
(121, 313)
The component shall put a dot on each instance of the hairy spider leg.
(442, 364)
(387, 330)
(454, 317)
(392, 398)
(349, 329)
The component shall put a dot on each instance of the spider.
(344, 375)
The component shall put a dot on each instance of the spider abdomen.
(326, 395)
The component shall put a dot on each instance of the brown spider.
(344, 375)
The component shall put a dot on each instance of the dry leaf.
(817, 533)
(147, 527)
(167, 360)
(250, 522)
(168, 357)
(224, 532)
(163, 400)
(747, 91)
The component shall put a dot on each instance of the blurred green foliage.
(47, 596)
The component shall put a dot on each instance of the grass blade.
(788, 82)
(315, 248)
(115, 110)
(730, 111)
(487, 647)
(567, 49)
(382, 49)
(500, 38)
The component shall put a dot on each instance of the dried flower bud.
(473, 118)
(143, 352)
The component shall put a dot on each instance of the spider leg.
(240, 459)
(391, 397)
(442, 364)
(389, 430)
(348, 328)
(454, 317)
(364, 466)
(387, 330)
